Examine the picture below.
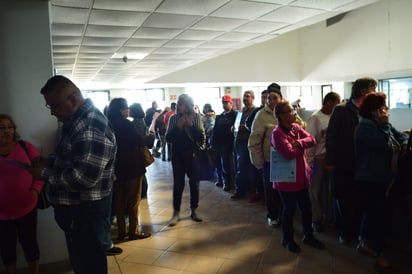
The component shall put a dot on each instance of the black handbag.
(204, 164)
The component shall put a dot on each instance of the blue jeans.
(226, 165)
(271, 194)
(86, 227)
(243, 169)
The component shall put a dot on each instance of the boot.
(194, 216)
(175, 218)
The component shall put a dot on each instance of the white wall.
(265, 62)
(25, 65)
(371, 41)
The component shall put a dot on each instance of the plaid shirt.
(82, 168)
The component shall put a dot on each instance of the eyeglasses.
(291, 111)
(56, 106)
(4, 129)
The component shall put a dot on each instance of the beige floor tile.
(285, 268)
(204, 264)
(238, 267)
(143, 256)
(173, 260)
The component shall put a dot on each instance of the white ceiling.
(91, 37)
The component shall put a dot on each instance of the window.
(100, 98)
(398, 92)
(155, 94)
(203, 95)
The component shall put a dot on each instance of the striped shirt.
(82, 168)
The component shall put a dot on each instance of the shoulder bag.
(42, 202)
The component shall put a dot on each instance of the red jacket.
(282, 141)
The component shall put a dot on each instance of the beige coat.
(259, 140)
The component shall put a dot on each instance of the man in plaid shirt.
(80, 174)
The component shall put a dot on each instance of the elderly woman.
(291, 140)
(18, 198)
(186, 133)
(377, 146)
(129, 170)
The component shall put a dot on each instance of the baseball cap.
(226, 98)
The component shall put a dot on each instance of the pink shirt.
(16, 200)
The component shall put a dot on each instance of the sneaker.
(316, 227)
(313, 242)
(273, 222)
(236, 196)
(114, 251)
(291, 246)
(195, 217)
(365, 249)
(255, 197)
(343, 240)
(226, 188)
(219, 184)
(174, 220)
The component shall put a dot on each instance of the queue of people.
(348, 151)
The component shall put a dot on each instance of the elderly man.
(244, 172)
(79, 175)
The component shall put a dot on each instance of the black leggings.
(23, 229)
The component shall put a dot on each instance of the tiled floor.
(233, 238)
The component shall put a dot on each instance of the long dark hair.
(136, 111)
(115, 107)
(187, 101)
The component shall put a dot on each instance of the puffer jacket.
(282, 141)
(259, 139)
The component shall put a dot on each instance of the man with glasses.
(79, 175)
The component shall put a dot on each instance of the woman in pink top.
(291, 140)
(18, 198)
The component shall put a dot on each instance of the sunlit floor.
(233, 238)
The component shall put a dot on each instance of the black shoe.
(226, 188)
(237, 196)
(313, 242)
(219, 184)
(114, 251)
(273, 222)
(142, 235)
(291, 246)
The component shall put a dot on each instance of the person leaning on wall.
(18, 198)
(79, 175)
